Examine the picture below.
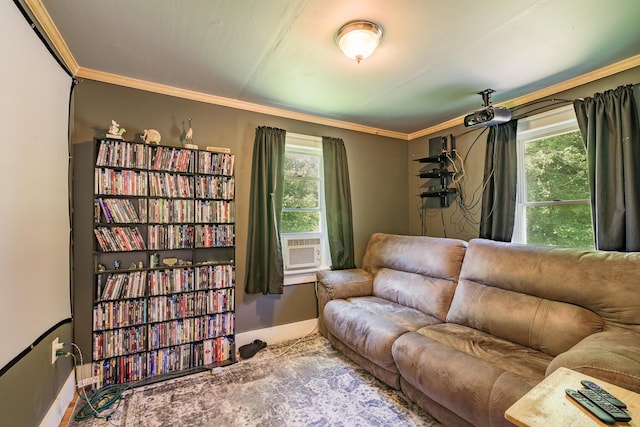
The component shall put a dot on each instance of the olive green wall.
(377, 167)
(455, 224)
(30, 387)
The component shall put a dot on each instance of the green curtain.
(500, 174)
(338, 203)
(610, 128)
(265, 270)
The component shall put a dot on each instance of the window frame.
(551, 123)
(308, 145)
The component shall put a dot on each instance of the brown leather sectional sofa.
(466, 329)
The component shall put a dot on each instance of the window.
(553, 205)
(303, 224)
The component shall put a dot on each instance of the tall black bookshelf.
(154, 259)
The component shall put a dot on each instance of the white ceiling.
(434, 57)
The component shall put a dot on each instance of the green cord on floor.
(103, 399)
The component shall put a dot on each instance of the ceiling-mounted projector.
(488, 115)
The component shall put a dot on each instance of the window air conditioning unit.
(302, 252)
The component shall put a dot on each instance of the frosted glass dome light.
(358, 39)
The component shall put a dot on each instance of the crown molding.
(228, 102)
(609, 70)
(51, 31)
(45, 21)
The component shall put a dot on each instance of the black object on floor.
(247, 351)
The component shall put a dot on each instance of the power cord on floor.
(285, 351)
(105, 401)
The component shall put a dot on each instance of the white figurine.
(114, 128)
(115, 131)
(188, 138)
(151, 136)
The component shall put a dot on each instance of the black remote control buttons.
(604, 393)
(599, 413)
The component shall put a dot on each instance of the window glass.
(553, 188)
(301, 198)
(302, 227)
(556, 168)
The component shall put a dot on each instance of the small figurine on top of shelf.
(188, 138)
(114, 131)
(151, 136)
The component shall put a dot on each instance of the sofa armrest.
(613, 356)
(340, 284)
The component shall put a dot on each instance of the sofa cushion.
(370, 325)
(600, 281)
(427, 256)
(430, 295)
(613, 356)
(525, 294)
(473, 374)
(549, 326)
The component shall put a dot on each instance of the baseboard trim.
(279, 333)
(59, 407)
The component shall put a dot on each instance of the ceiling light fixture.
(358, 39)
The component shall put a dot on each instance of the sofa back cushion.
(415, 271)
(546, 298)
(549, 326)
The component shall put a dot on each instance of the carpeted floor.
(299, 383)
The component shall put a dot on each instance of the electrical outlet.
(55, 346)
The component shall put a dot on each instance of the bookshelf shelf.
(154, 270)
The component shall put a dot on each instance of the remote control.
(617, 413)
(601, 414)
(604, 393)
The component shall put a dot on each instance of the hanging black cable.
(42, 38)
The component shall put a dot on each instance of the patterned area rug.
(303, 382)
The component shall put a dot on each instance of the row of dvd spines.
(162, 211)
(171, 211)
(122, 154)
(120, 182)
(206, 187)
(126, 313)
(215, 163)
(137, 367)
(161, 184)
(119, 239)
(117, 153)
(171, 159)
(188, 236)
(138, 339)
(165, 237)
(170, 185)
(119, 210)
(168, 281)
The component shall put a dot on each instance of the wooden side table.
(547, 405)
